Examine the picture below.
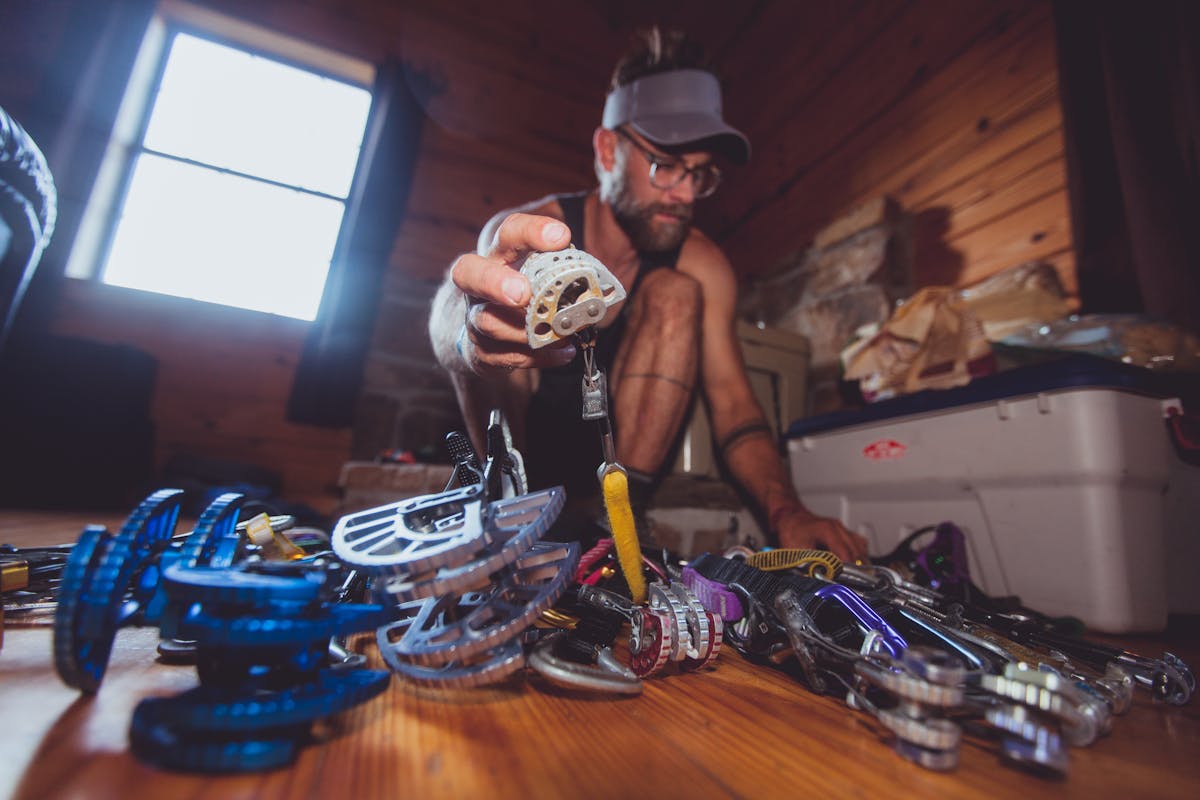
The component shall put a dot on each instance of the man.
(655, 157)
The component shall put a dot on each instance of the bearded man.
(656, 154)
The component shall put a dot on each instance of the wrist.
(782, 512)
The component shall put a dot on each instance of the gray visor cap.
(677, 108)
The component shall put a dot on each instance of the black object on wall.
(74, 414)
(75, 425)
(329, 377)
(71, 118)
(28, 207)
(1129, 76)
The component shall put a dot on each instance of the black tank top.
(561, 448)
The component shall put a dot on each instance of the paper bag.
(932, 341)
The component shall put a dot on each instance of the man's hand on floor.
(802, 529)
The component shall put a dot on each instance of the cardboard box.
(367, 484)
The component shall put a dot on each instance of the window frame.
(92, 247)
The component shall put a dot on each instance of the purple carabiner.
(943, 562)
(889, 637)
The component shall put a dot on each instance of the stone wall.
(855, 271)
(407, 401)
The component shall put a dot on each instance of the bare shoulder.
(546, 206)
(704, 260)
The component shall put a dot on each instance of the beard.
(637, 220)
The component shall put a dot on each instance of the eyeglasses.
(669, 173)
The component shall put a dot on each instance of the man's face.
(655, 220)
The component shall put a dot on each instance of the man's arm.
(485, 276)
(745, 440)
(477, 322)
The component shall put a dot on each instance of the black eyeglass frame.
(695, 173)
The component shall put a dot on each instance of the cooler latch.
(1184, 430)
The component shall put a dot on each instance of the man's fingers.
(501, 323)
(848, 546)
(501, 334)
(489, 280)
(494, 336)
(826, 534)
(836, 539)
(487, 354)
(521, 234)
(495, 278)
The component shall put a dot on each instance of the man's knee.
(670, 296)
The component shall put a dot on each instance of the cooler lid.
(1075, 371)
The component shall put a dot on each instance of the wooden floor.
(737, 730)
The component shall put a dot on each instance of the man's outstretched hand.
(493, 335)
(800, 528)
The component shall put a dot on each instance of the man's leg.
(477, 399)
(655, 372)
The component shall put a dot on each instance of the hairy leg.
(654, 375)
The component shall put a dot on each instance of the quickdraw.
(462, 592)
(810, 563)
(572, 293)
(598, 671)
(924, 672)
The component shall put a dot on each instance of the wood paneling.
(949, 106)
(223, 380)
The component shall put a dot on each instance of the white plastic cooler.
(1060, 475)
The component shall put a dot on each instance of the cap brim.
(695, 131)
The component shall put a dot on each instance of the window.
(233, 187)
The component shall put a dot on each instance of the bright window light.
(238, 190)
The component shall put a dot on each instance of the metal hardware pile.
(462, 592)
(264, 634)
(931, 666)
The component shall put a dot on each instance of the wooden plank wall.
(950, 106)
(224, 375)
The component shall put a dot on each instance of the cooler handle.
(1184, 430)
